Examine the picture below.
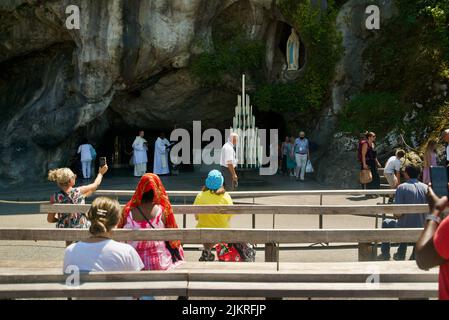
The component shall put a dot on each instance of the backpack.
(359, 150)
(235, 252)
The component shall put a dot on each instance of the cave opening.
(116, 145)
(285, 31)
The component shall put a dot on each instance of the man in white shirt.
(392, 171)
(140, 146)
(228, 162)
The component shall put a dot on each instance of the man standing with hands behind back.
(228, 162)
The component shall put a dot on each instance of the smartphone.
(102, 161)
(438, 177)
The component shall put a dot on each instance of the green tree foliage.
(408, 56)
(324, 49)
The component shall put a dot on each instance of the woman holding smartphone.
(69, 194)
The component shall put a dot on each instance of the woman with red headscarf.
(150, 208)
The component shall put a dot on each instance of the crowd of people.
(295, 157)
(432, 248)
(150, 208)
(139, 156)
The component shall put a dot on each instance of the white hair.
(232, 136)
(446, 131)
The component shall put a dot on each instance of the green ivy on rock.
(307, 95)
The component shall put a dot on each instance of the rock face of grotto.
(128, 67)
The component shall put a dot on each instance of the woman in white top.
(100, 253)
(86, 158)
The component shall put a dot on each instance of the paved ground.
(30, 254)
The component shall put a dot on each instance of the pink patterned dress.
(154, 254)
(426, 171)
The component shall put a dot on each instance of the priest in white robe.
(140, 159)
(161, 154)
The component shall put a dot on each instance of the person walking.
(87, 152)
(369, 159)
(213, 193)
(228, 162)
(291, 161)
(410, 192)
(302, 154)
(284, 153)
(430, 160)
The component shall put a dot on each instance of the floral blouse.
(70, 220)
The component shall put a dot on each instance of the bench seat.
(397, 279)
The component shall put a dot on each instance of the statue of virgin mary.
(293, 51)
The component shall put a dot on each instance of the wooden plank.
(407, 268)
(299, 276)
(94, 289)
(316, 273)
(48, 277)
(314, 290)
(224, 235)
(362, 210)
(230, 275)
(366, 252)
(271, 252)
(223, 289)
(250, 194)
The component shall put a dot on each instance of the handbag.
(246, 250)
(93, 153)
(235, 252)
(174, 252)
(366, 176)
(309, 167)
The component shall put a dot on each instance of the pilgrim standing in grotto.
(161, 154)
(140, 146)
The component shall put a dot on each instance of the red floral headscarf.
(149, 182)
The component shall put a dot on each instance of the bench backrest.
(362, 210)
(198, 236)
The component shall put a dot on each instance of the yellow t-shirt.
(213, 220)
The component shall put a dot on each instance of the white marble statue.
(293, 51)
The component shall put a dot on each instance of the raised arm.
(91, 188)
(51, 217)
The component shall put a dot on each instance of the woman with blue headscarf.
(213, 193)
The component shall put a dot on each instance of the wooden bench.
(184, 195)
(251, 280)
(366, 251)
(271, 238)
